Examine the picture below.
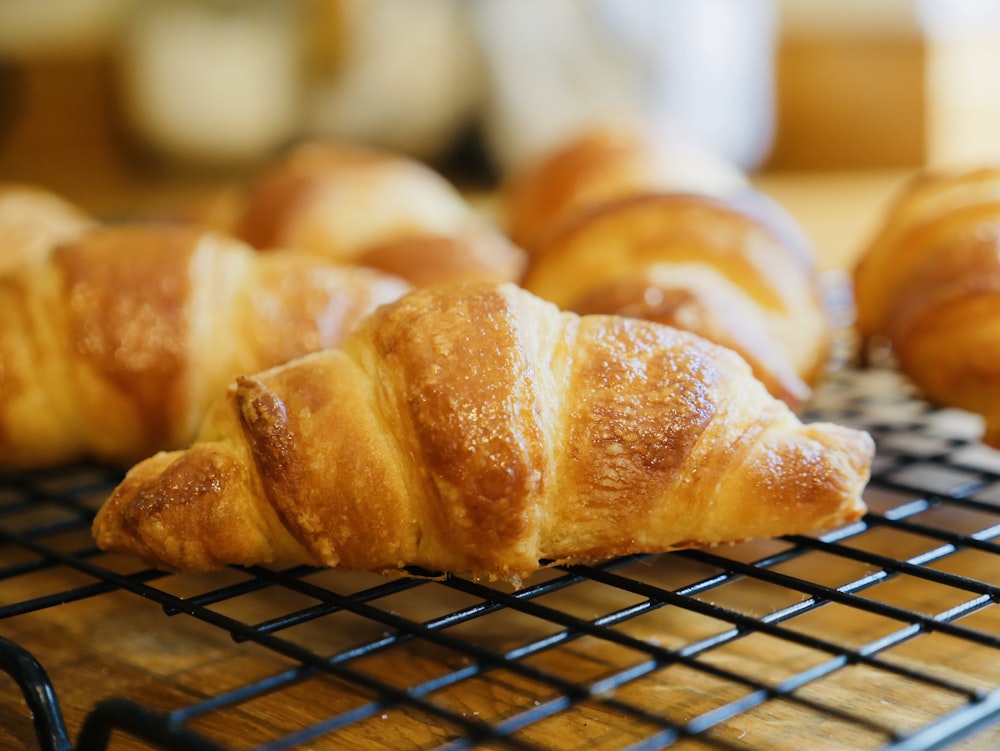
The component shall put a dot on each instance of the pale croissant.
(115, 346)
(929, 285)
(33, 220)
(730, 272)
(477, 429)
(371, 207)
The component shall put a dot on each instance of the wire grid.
(884, 634)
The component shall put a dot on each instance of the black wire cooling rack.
(882, 635)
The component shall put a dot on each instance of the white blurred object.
(556, 67)
(943, 19)
(409, 79)
(213, 82)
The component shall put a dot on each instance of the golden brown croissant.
(929, 284)
(728, 272)
(477, 429)
(602, 164)
(32, 221)
(925, 196)
(374, 208)
(116, 345)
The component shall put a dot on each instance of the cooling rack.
(882, 635)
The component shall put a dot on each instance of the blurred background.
(116, 103)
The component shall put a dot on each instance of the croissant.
(374, 208)
(477, 429)
(116, 345)
(928, 284)
(923, 197)
(728, 271)
(601, 164)
(32, 221)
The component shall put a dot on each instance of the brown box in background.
(887, 84)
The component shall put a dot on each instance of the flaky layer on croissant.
(727, 273)
(604, 163)
(34, 220)
(115, 346)
(375, 208)
(477, 429)
(929, 284)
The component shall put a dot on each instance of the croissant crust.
(477, 429)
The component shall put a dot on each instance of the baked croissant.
(726, 271)
(604, 163)
(374, 208)
(925, 196)
(929, 285)
(477, 429)
(33, 220)
(115, 346)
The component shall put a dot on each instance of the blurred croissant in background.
(115, 345)
(605, 162)
(33, 220)
(609, 234)
(928, 284)
(369, 207)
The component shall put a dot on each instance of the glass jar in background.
(704, 68)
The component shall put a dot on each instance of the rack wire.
(881, 635)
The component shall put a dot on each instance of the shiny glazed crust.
(477, 429)
(116, 344)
